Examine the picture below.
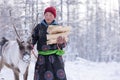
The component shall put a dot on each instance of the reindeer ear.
(20, 44)
(3, 41)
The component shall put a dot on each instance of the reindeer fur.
(12, 58)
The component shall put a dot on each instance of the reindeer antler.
(14, 26)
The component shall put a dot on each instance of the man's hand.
(61, 40)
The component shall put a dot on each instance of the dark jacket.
(39, 36)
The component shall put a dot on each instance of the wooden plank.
(54, 41)
(55, 36)
(53, 29)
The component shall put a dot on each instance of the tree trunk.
(119, 11)
(68, 11)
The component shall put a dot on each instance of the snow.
(86, 70)
(78, 70)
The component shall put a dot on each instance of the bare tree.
(119, 11)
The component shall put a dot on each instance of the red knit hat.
(52, 10)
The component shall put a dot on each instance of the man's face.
(49, 17)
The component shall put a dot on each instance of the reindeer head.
(25, 48)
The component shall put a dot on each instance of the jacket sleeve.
(35, 34)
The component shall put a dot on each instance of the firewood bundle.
(54, 31)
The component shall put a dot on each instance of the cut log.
(53, 29)
(54, 41)
(55, 36)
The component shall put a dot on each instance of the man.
(49, 65)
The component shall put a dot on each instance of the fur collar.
(45, 24)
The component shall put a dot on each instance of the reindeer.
(16, 55)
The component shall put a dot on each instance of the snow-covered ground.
(78, 70)
(86, 70)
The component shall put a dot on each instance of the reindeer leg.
(1, 64)
(26, 74)
(16, 73)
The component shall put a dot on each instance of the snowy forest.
(95, 33)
